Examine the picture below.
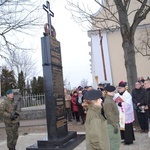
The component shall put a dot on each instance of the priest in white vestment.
(124, 101)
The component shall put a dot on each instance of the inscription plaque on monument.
(58, 84)
(58, 91)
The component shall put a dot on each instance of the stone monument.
(58, 136)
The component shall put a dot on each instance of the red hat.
(122, 84)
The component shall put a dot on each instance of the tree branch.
(107, 9)
(140, 14)
(107, 15)
(17, 17)
(3, 2)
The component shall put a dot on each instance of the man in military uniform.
(11, 117)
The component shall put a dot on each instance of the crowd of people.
(141, 103)
(108, 112)
(75, 106)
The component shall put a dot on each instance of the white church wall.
(97, 62)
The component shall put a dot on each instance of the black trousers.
(76, 113)
(81, 113)
(68, 112)
(143, 119)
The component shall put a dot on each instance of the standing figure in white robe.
(124, 101)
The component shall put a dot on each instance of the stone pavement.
(142, 141)
(26, 123)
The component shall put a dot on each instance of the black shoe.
(146, 131)
(128, 143)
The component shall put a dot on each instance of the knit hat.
(9, 92)
(110, 88)
(93, 95)
(122, 84)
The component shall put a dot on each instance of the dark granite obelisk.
(58, 136)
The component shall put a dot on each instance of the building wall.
(117, 57)
(142, 62)
(133, 7)
(114, 54)
(114, 57)
(97, 65)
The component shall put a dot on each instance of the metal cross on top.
(49, 14)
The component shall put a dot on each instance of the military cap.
(110, 88)
(93, 95)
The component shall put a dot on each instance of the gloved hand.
(120, 104)
(14, 115)
(17, 114)
(115, 130)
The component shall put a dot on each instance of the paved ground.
(33, 130)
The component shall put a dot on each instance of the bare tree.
(114, 14)
(143, 43)
(22, 61)
(16, 18)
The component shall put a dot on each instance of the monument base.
(68, 142)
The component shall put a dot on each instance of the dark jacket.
(147, 97)
(138, 96)
(147, 100)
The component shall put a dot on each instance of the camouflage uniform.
(7, 107)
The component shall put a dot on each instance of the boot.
(12, 148)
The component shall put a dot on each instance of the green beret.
(9, 92)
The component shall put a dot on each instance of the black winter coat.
(138, 96)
